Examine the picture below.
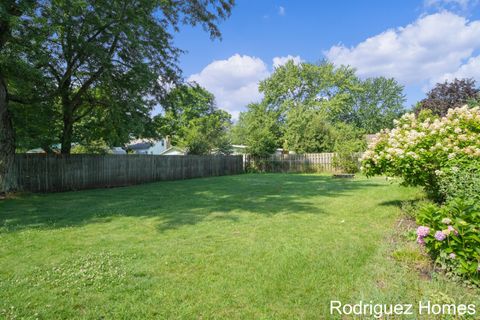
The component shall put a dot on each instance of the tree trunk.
(67, 132)
(7, 136)
(7, 143)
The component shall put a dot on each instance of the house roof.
(36, 150)
(139, 146)
(172, 149)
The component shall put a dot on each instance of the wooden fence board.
(309, 162)
(50, 173)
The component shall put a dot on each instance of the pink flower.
(420, 241)
(422, 231)
(452, 229)
(440, 236)
(452, 255)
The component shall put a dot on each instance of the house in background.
(239, 149)
(117, 150)
(173, 151)
(148, 146)
(54, 148)
(36, 150)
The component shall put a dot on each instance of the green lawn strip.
(246, 246)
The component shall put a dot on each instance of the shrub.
(461, 180)
(420, 150)
(91, 147)
(346, 161)
(349, 143)
(450, 235)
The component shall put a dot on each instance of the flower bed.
(443, 156)
(451, 234)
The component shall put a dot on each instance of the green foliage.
(449, 95)
(207, 134)
(36, 125)
(93, 147)
(262, 131)
(182, 104)
(192, 121)
(322, 87)
(453, 239)
(422, 151)
(377, 104)
(303, 103)
(98, 55)
(349, 143)
(461, 180)
(307, 130)
(223, 145)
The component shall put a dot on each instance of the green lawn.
(268, 246)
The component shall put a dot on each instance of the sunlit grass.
(248, 246)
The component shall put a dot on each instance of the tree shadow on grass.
(178, 203)
(403, 203)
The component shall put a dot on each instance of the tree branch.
(18, 99)
(77, 98)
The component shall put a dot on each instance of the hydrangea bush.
(461, 180)
(421, 150)
(451, 234)
(443, 156)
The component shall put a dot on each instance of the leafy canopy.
(192, 120)
(449, 95)
(304, 103)
(101, 58)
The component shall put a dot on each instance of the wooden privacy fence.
(48, 173)
(308, 162)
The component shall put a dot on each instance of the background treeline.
(318, 108)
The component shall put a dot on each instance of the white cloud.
(233, 81)
(281, 11)
(471, 69)
(279, 61)
(427, 49)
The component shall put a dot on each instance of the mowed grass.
(269, 246)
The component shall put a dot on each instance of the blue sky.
(417, 42)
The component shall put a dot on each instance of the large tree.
(122, 48)
(10, 16)
(259, 129)
(378, 102)
(191, 120)
(303, 103)
(449, 95)
(307, 130)
(323, 87)
(304, 97)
